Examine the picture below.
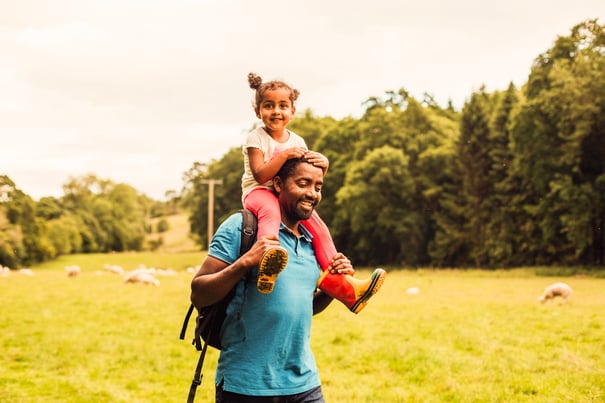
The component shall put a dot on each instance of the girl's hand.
(318, 159)
(293, 152)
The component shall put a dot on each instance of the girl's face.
(276, 110)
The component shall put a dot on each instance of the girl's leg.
(353, 293)
(264, 204)
(322, 240)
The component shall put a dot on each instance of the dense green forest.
(514, 178)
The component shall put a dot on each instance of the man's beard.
(303, 213)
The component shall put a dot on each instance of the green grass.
(469, 336)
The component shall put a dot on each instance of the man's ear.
(277, 184)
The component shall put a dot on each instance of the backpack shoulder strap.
(249, 227)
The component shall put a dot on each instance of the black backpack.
(210, 318)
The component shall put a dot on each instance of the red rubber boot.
(354, 293)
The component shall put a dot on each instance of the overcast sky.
(136, 91)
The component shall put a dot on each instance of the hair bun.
(254, 80)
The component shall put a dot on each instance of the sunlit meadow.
(467, 336)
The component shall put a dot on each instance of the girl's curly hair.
(256, 83)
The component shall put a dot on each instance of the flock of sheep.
(148, 276)
(141, 275)
(6, 271)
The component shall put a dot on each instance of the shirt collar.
(303, 231)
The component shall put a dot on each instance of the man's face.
(300, 192)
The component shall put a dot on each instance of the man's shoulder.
(234, 221)
(225, 244)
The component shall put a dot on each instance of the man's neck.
(293, 227)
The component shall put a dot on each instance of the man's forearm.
(208, 289)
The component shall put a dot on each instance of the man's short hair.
(289, 166)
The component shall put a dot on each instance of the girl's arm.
(264, 172)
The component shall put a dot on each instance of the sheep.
(165, 272)
(26, 272)
(141, 276)
(113, 269)
(73, 270)
(131, 275)
(556, 290)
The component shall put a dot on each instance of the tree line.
(514, 178)
(93, 216)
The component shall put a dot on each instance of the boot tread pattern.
(271, 264)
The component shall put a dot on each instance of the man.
(266, 355)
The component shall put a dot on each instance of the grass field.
(468, 336)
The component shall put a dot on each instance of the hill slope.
(176, 239)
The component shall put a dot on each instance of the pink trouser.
(264, 204)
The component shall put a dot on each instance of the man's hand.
(252, 257)
(341, 264)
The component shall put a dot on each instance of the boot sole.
(379, 276)
(271, 264)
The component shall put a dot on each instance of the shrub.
(163, 225)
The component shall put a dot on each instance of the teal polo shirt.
(266, 337)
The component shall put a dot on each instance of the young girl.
(265, 151)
